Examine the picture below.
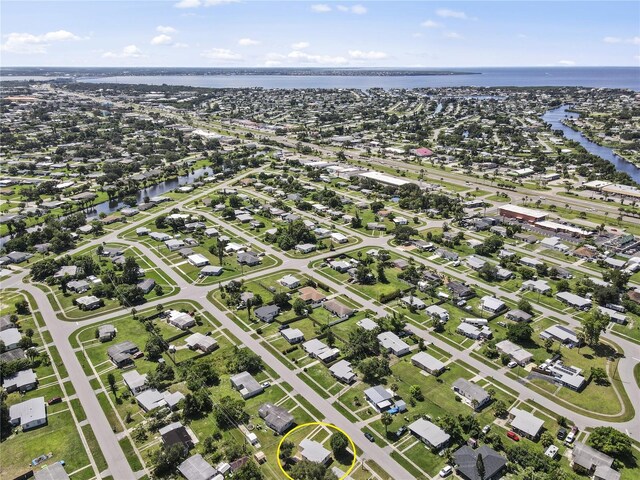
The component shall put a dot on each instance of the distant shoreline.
(158, 72)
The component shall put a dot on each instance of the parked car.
(562, 434)
(138, 355)
(266, 385)
(512, 364)
(446, 471)
(486, 429)
(54, 400)
(282, 327)
(401, 431)
(513, 436)
(369, 437)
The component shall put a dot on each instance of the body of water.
(156, 190)
(596, 77)
(555, 117)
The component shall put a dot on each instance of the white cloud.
(130, 51)
(300, 45)
(247, 42)
(165, 29)
(320, 8)
(28, 43)
(221, 54)
(359, 9)
(272, 63)
(453, 35)
(180, 45)
(303, 57)
(202, 3)
(430, 24)
(632, 40)
(161, 39)
(370, 55)
(356, 9)
(566, 63)
(446, 13)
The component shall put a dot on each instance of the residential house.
(429, 434)
(292, 335)
(198, 341)
(89, 302)
(515, 352)
(413, 302)
(289, 281)
(135, 381)
(10, 338)
(428, 363)
(28, 414)
(561, 334)
(473, 332)
(474, 394)
(180, 320)
(466, 461)
(176, 434)
(379, 397)
(586, 459)
(197, 468)
(518, 316)
(246, 385)
(390, 342)
(338, 309)
(251, 259)
(211, 271)
(460, 290)
(311, 296)
(120, 354)
(276, 418)
(525, 423)
(198, 260)
(342, 371)
(146, 285)
(436, 311)
(22, 381)
(317, 349)
(314, 451)
(267, 313)
(492, 304)
(573, 300)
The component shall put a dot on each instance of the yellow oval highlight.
(322, 424)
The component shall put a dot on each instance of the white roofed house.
(180, 320)
(314, 451)
(289, 281)
(390, 342)
(588, 460)
(539, 286)
(473, 332)
(492, 304)
(339, 237)
(516, 353)
(89, 302)
(21, 381)
(11, 338)
(436, 311)
(475, 263)
(246, 385)
(292, 335)
(198, 260)
(379, 397)
(28, 414)
(198, 341)
(135, 381)
(413, 302)
(428, 363)
(342, 371)
(525, 423)
(561, 334)
(317, 349)
(573, 300)
(475, 395)
(174, 244)
(430, 434)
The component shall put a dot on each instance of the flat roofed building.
(197, 468)
(342, 371)
(135, 381)
(246, 385)
(292, 335)
(392, 343)
(561, 334)
(522, 213)
(525, 423)
(379, 397)
(22, 381)
(314, 451)
(180, 320)
(474, 394)
(515, 352)
(198, 341)
(587, 458)
(428, 363)
(54, 471)
(429, 433)
(277, 418)
(317, 349)
(28, 414)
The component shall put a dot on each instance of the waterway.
(595, 77)
(156, 190)
(556, 116)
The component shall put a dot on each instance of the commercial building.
(522, 213)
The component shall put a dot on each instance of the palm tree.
(386, 420)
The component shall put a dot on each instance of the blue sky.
(227, 33)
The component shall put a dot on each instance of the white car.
(512, 364)
(446, 471)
